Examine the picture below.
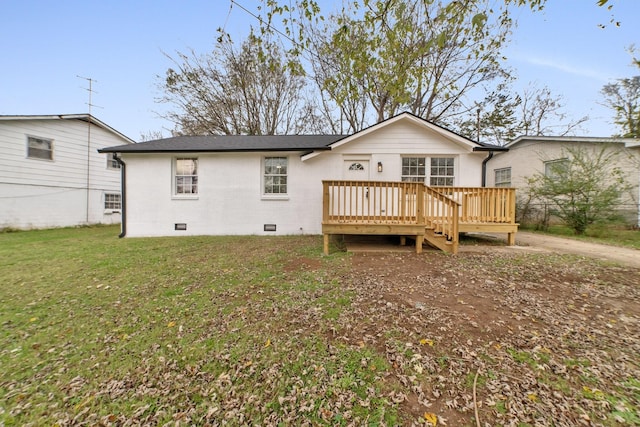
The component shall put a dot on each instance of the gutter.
(492, 150)
(123, 195)
(484, 168)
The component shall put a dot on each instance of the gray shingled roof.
(229, 143)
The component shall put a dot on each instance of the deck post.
(325, 243)
(419, 240)
(325, 201)
(420, 208)
(511, 239)
(512, 205)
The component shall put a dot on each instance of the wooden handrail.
(441, 213)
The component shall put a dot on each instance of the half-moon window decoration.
(356, 167)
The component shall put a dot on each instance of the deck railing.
(484, 204)
(373, 202)
(436, 214)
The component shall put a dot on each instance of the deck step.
(440, 241)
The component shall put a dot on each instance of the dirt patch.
(542, 331)
(302, 264)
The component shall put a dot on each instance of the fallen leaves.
(386, 339)
(431, 418)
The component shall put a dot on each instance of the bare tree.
(250, 90)
(623, 97)
(502, 116)
(390, 56)
(151, 135)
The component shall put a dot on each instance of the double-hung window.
(442, 171)
(185, 177)
(39, 148)
(503, 177)
(275, 176)
(413, 169)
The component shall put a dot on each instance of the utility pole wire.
(269, 26)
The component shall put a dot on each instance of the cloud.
(566, 68)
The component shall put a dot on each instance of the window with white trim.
(112, 163)
(442, 171)
(413, 169)
(39, 148)
(275, 175)
(185, 176)
(502, 177)
(112, 201)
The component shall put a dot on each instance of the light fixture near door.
(379, 166)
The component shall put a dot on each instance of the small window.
(112, 163)
(503, 177)
(112, 201)
(275, 175)
(442, 171)
(356, 167)
(413, 169)
(39, 148)
(555, 168)
(186, 176)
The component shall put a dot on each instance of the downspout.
(123, 195)
(484, 168)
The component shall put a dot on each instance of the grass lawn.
(266, 331)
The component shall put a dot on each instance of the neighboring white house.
(239, 185)
(51, 174)
(530, 155)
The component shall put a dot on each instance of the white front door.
(356, 170)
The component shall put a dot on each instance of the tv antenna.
(90, 90)
(90, 104)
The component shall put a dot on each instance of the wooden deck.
(410, 209)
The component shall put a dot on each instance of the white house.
(239, 185)
(530, 155)
(51, 174)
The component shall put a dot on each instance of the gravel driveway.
(625, 256)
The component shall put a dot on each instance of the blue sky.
(45, 45)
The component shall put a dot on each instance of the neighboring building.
(51, 174)
(530, 155)
(239, 185)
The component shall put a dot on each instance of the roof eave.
(83, 117)
(219, 150)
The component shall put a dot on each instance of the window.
(503, 177)
(275, 175)
(186, 176)
(356, 167)
(554, 168)
(112, 201)
(39, 148)
(442, 171)
(112, 163)
(413, 169)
